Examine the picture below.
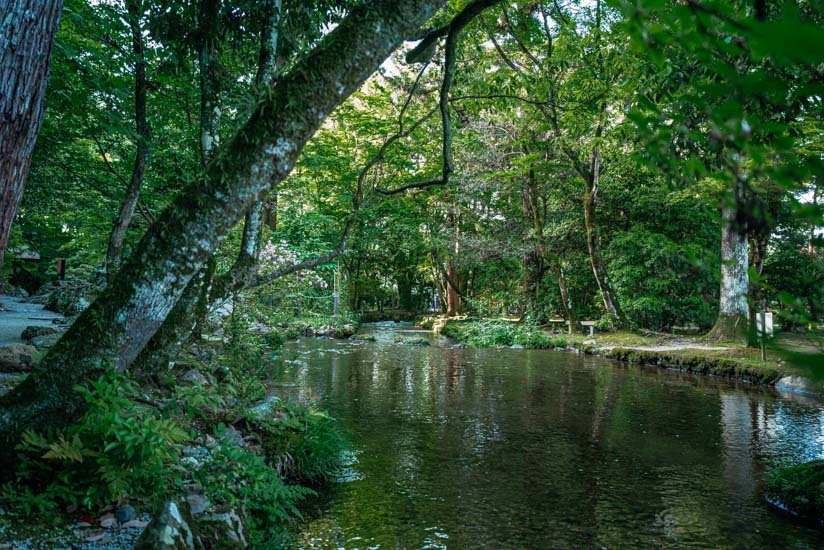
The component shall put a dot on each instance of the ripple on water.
(524, 449)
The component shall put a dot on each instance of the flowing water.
(503, 448)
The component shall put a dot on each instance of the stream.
(504, 448)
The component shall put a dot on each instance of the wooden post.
(61, 269)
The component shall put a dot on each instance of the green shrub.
(484, 334)
(303, 444)
(799, 488)
(116, 449)
(232, 477)
(606, 323)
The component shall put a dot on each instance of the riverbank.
(207, 441)
(685, 353)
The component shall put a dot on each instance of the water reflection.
(462, 448)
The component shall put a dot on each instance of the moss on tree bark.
(113, 331)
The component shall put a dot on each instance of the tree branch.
(458, 22)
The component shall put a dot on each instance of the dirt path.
(16, 315)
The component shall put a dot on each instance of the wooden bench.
(559, 322)
(590, 324)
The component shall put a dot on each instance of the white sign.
(762, 319)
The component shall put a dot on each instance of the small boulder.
(175, 528)
(17, 358)
(224, 530)
(590, 342)
(34, 331)
(265, 409)
(67, 297)
(125, 513)
(195, 377)
(46, 341)
(171, 530)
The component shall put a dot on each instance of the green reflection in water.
(464, 448)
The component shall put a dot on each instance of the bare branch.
(458, 22)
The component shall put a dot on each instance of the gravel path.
(16, 315)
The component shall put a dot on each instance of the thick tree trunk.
(733, 313)
(27, 31)
(405, 281)
(610, 300)
(141, 159)
(117, 326)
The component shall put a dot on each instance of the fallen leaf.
(135, 524)
(96, 536)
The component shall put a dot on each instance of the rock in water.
(34, 331)
(17, 358)
(67, 297)
(265, 409)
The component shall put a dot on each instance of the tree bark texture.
(453, 296)
(189, 314)
(141, 159)
(117, 326)
(733, 311)
(27, 32)
(591, 184)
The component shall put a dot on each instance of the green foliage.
(116, 449)
(301, 442)
(799, 488)
(232, 476)
(486, 333)
(606, 323)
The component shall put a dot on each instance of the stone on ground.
(33, 331)
(17, 358)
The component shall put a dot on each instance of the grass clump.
(411, 341)
(799, 489)
(491, 333)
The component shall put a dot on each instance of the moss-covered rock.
(799, 489)
(176, 528)
(699, 363)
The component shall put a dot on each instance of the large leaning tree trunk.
(205, 289)
(732, 322)
(144, 135)
(116, 327)
(27, 29)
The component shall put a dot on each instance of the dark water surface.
(465, 448)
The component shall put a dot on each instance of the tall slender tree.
(27, 29)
